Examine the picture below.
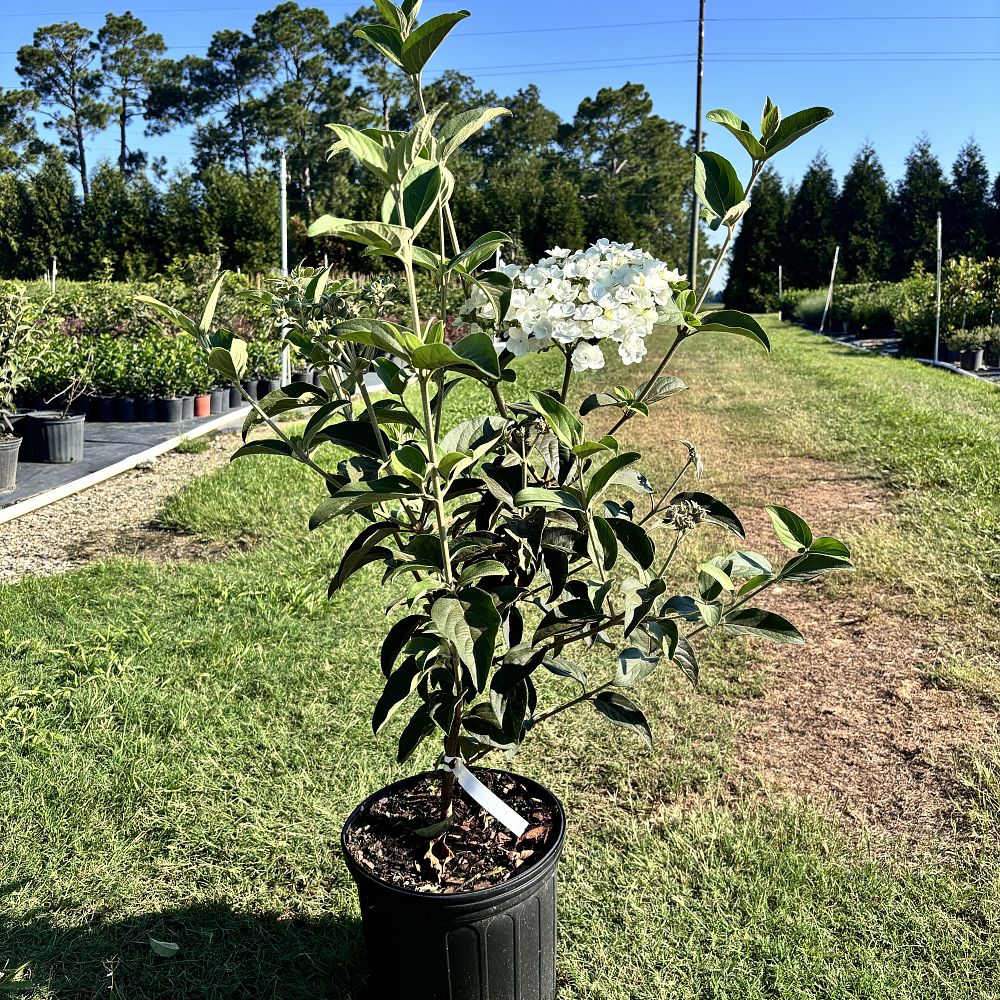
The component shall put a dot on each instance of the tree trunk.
(81, 153)
(121, 124)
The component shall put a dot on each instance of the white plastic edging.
(40, 500)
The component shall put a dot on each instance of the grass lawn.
(181, 743)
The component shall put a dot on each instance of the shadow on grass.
(223, 953)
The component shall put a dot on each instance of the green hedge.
(970, 297)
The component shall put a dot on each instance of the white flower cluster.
(610, 291)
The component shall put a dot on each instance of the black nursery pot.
(187, 407)
(218, 402)
(489, 944)
(103, 409)
(250, 387)
(57, 439)
(235, 397)
(146, 411)
(266, 385)
(171, 411)
(125, 409)
(971, 361)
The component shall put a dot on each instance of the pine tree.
(994, 230)
(757, 250)
(967, 204)
(811, 231)
(862, 219)
(919, 197)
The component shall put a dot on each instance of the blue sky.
(889, 69)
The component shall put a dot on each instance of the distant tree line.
(615, 170)
(883, 230)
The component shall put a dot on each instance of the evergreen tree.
(20, 146)
(129, 54)
(14, 211)
(993, 236)
(918, 198)
(53, 220)
(811, 229)
(863, 219)
(967, 204)
(757, 250)
(59, 67)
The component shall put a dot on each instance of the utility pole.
(53, 275)
(937, 314)
(695, 203)
(286, 364)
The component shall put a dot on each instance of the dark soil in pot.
(9, 449)
(187, 407)
(448, 939)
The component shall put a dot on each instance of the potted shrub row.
(516, 539)
(18, 338)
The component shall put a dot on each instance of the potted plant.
(18, 343)
(58, 434)
(969, 344)
(989, 336)
(516, 537)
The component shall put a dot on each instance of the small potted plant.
(518, 538)
(58, 434)
(989, 336)
(969, 345)
(18, 344)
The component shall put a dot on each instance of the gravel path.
(116, 517)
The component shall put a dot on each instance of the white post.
(779, 291)
(937, 315)
(829, 292)
(53, 275)
(326, 262)
(286, 361)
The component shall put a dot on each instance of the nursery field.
(181, 742)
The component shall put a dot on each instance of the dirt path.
(850, 721)
(116, 517)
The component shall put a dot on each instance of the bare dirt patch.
(114, 518)
(849, 721)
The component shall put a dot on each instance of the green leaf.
(598, 399)
(608, 542)
(368, 152)
(396, 638)
(794, 127)
(768, 625)
(564, 424)
(478, 570)
(175, 316)
(208, 313)
(685, 658)
(739, 128)
(475, 435)
(386, 237)
(830, 547)
(748, 564)
(639, 602)
(371, 333)
(634, 540)
(410, 148)
(720, 576)
(420, 726)
(622, 711)
(603, 476)
(231, 364)
(456, 130)
(791, 530)
(357, 496)
(420, 45)
(363, 550)
(474, 351)
(769, 119)
(634, 666)
(398, 688)
(716, 183)
(271, 447)
(536, 496)
(162, 949)
(421, 187)
(392, 14)
(479, 252)
(564, 668)
(470, 622)
(383, 38)
(810, 565)
(732, 321)
(661, 387)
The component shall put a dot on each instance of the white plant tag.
(493, 804)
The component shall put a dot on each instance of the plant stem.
(567, 375)
(625, 417)
(666, 492)
(494, 388)
(372, 418)
(439, 512)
